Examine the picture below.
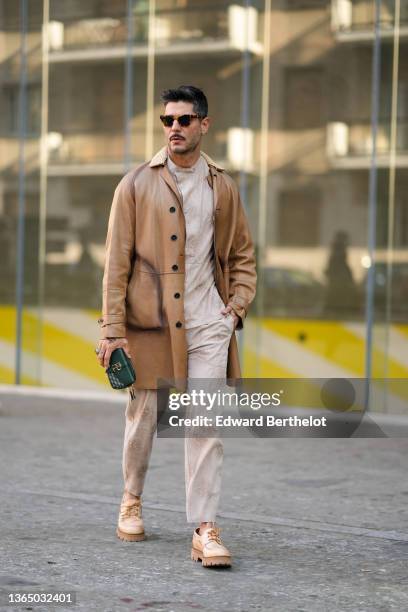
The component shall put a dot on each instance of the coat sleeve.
(119, 253)
(242, 265)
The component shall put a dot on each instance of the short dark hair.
(187, 93)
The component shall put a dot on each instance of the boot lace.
(133, 510)
(213, 535)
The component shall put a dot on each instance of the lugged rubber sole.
(196, 555)
(130, 537)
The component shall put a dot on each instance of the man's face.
(183, 140)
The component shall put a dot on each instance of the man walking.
(179, 278)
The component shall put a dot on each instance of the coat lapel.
(213, 177)
(214, 184)
(167, 177)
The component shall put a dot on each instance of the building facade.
(309, 103)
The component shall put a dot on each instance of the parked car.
(292, 291)
(398, 289)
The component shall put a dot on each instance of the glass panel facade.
(308, 101)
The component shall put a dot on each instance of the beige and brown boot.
(130, 522)
(209, 549)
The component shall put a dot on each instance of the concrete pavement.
(313, 524)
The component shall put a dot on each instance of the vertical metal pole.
(391, 193)
(245, 89)
(150, 80)
(43, 182)
(22, 129)
(263, 178)
(372, 203)
(129, 86)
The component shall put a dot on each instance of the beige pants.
(207, 359)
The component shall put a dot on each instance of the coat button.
(177, 295)
(179, 324)
(174, 267)
(172, 209)
(174, 237)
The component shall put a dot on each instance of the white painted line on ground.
(290, 355)
(398, 342)
(52, 373)
(117, 397)
(72, 321)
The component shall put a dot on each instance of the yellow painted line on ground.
(325, 338)
(72, 352)
(67, 350)
(403, 329)
(333, 342)
(256, 366)
(8, 377)
(91, 312)
(304, 394)
(261, 367)
(328, 339)
(8, 323)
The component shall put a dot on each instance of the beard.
(182, 147)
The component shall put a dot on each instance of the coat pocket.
(144, 301)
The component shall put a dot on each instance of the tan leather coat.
(143, 282)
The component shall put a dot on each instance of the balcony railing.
(355, 17)
(355, 139)
(88, 151)
(93, 148)
(90, 148)
(201, 24)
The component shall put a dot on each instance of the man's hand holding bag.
(114, 355)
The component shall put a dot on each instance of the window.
(299, 218)
(304, 107)
(10, 124)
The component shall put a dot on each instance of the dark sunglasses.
(183, 120)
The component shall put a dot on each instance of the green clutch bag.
(121, 372)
